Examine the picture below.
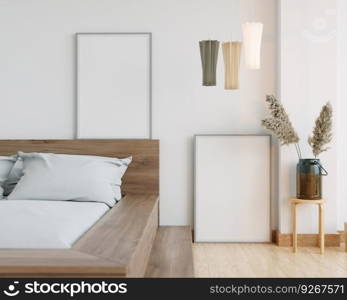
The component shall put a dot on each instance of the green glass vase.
(309, 174)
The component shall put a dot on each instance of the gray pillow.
(6, 165)
(14, 176)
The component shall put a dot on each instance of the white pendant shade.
(252, 36)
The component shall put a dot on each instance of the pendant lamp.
(209, 57)
(232, 55)
(252, 36)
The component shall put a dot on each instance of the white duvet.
(46, 224)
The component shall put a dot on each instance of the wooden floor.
(267, 260)
(171, 253)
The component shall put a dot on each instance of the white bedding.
(46, 224)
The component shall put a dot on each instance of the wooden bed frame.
(120, 243)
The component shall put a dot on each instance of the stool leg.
(295, 237)
(321, 228)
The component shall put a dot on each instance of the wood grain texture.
(142, 175)
(267, 260)
(342, 235)
(303, 201)
(116, 236)
(320, 204)
(18, 262)
(295, 233)
(321, 227)
(172, 253)
(139, 260)
(307, 240)
(118, 245)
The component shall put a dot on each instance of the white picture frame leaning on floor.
(114, 85)
(232, 188)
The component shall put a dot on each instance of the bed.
(64, 223)
(94, 240)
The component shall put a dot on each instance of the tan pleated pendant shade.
(232, 56)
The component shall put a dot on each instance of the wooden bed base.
(119, 244)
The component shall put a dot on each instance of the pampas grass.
(279, 124)
(322, 132)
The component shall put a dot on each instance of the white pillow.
(49, 176)
(6, 164)
(16, 172)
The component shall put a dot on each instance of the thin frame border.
(270, 185)
(150, 108)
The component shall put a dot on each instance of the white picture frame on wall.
(114, 85)
(232, 188)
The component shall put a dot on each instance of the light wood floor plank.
(267, 260)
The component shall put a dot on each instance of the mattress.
(46, 224)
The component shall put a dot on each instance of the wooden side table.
(320, 204)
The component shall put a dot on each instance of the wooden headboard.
(142, 175)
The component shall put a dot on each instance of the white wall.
(342, 109)
(308, 80)
(37, 74)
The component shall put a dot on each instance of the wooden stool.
(320, 204)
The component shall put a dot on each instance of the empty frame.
(113, 85)
(232, 188)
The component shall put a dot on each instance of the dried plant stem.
(298, 151)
